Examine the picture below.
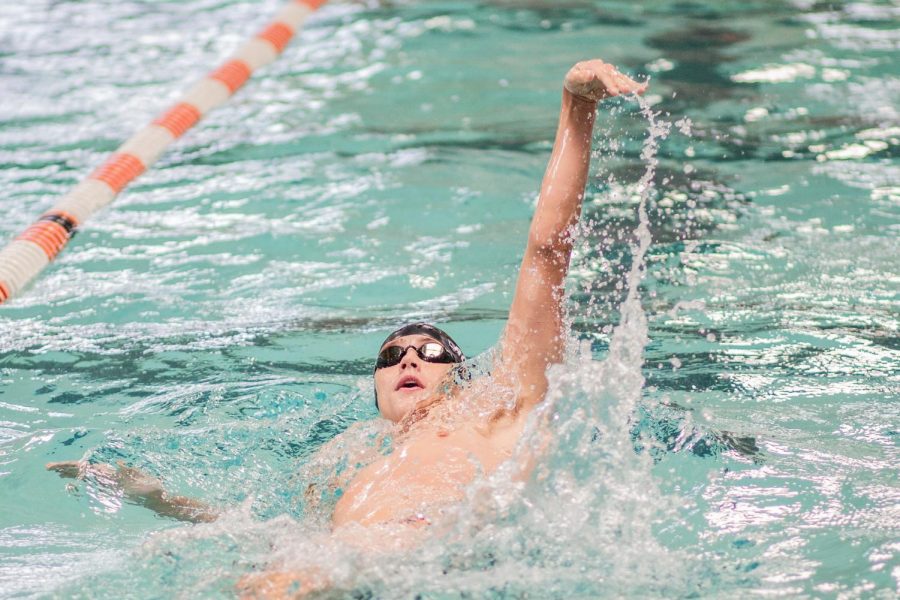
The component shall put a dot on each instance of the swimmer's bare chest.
(429, 468)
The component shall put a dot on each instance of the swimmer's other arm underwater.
(445, 434)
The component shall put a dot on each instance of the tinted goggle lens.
(429, 352)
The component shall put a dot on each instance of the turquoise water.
(217, 325)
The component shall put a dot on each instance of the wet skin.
(440, 449)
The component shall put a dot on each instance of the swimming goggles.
(432, 352)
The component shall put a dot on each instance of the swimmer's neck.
(421, 410)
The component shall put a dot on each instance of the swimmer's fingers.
(617, 84)
(66, 468)
(80, 469)
(595, 80)
(627, 85)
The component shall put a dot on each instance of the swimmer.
(446, 434)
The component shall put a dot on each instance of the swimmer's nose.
(409, 359)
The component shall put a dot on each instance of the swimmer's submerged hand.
(133, 482)
(138, 487)
(594, 80)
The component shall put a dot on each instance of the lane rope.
(32, 250)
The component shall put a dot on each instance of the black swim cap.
(431, 331)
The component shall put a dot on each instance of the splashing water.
(582, 524)
(590, 507)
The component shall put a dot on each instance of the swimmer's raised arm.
(138, 487)
(534, 336)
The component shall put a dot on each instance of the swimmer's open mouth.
(410, 383)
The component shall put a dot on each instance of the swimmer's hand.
(133, 482)
(282, 584)
(138, 487)
(594, 80)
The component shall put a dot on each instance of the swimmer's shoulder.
(358, 436)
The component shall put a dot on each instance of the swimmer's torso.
(429, 467)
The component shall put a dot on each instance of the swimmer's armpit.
(138, 487)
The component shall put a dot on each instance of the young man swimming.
(447, 434)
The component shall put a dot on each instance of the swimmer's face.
(400, 387)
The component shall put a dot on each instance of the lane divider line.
(119, 170)
(233, 74)
(178, 119)
(33, 249)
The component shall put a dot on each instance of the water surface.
(217, 325)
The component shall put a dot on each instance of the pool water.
(737, 433)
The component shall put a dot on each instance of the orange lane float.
(32, 250)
